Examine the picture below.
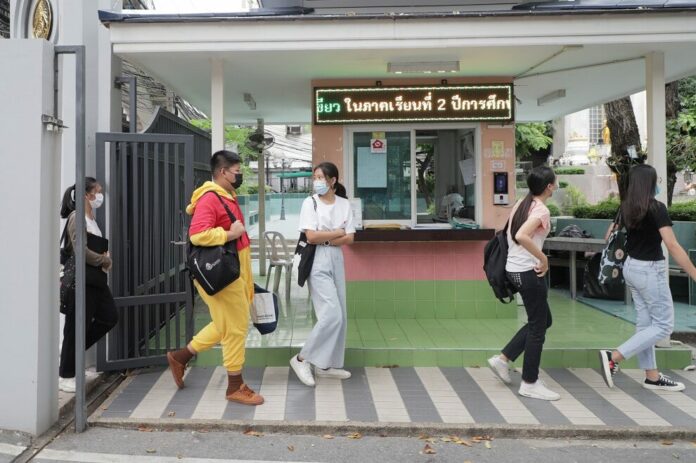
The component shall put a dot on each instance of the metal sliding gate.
(150, 180)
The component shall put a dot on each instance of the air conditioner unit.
(293, 130)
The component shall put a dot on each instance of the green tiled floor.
(577, 332)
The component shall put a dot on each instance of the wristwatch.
(327, 243)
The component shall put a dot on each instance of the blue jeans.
(652, 299)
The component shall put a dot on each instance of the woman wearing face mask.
(329, 225)
(101, 314)
(645, 271)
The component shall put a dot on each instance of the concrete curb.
(403, 429)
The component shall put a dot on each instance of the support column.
(262, 206)
(217, 104)
(656, 131)
(656, 119)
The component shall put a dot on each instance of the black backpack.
(494, 260)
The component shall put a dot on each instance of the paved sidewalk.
(416, 396)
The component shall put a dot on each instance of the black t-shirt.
(645, 242)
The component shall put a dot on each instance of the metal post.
(282, 191)
(262, 208)
(79, 52)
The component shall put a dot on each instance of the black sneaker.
(608, 367)
(664, 383)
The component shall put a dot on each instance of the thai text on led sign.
(413, 104)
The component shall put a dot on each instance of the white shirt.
(327, 216)
(92, 226)
(519, 259)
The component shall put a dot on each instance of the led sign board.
(413, 104)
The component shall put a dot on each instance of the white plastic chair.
(281, 258)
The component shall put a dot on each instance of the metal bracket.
(52, 123)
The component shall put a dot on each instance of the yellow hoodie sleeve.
(212, 237)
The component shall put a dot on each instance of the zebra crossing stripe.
(212, 404)
(444, 397)
(568, 405)
(683, 404)
(274, 389)
(9, 449)
(509, 406)
(330, 403)
(93, 457)
(158, 397)
(636, 411)
(388, 402)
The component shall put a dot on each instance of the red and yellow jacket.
(210, 222)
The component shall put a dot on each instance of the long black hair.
(538, 180)
(68, 203)
(330, 170)
(642, 180)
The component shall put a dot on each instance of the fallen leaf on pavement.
(250, 432)
(487, 444)
(151, 450)
(428, 450)
(667, 442)
(446, 439)
(171, 414)
(327, 436)
(291, 448)
(676, 456)
(424, 436)
(693, 443)
(144, 429)
(179, 456)
(459, 441)
(355, 435)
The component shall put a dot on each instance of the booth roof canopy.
(595, 57)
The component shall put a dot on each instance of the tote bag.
(306, 252)
(613, 256)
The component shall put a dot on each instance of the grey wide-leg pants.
(325, 346)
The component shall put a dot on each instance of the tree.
(531, 137)
(623, 130)
(681, 129)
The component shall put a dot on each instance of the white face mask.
(97, 201)
(320, 187)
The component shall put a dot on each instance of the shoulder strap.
(617, 219)
(227, 209)
(64, 235)
(315, 203)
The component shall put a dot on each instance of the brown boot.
(177, 370)
(244, 395)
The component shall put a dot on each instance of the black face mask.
(238, 181)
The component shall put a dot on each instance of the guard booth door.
(150, 181)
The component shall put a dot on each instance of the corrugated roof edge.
(108, 17)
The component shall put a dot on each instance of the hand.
(542, 267)
(236, 230)
(106, 263)
(341, 231)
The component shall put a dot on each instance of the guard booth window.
(383, 174)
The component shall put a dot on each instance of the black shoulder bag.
(613, 255)
(306, 252)
(214, 267)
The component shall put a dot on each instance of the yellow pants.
(229, 310)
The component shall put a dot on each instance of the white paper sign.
(468, 170)
(372, 169)
(356, 209)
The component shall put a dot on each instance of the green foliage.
(531, 137)
(563, 184)
(573, 198)
(606, 209)
(681, 131)
(233, 135)
(685, 211)
(569, 171)
(553, 209)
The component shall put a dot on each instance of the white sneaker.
(537, 390)
(303, 370)
(500, 368)
(66, 385)
(336, 373)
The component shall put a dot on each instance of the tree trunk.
(624, 133)
(672, 107)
